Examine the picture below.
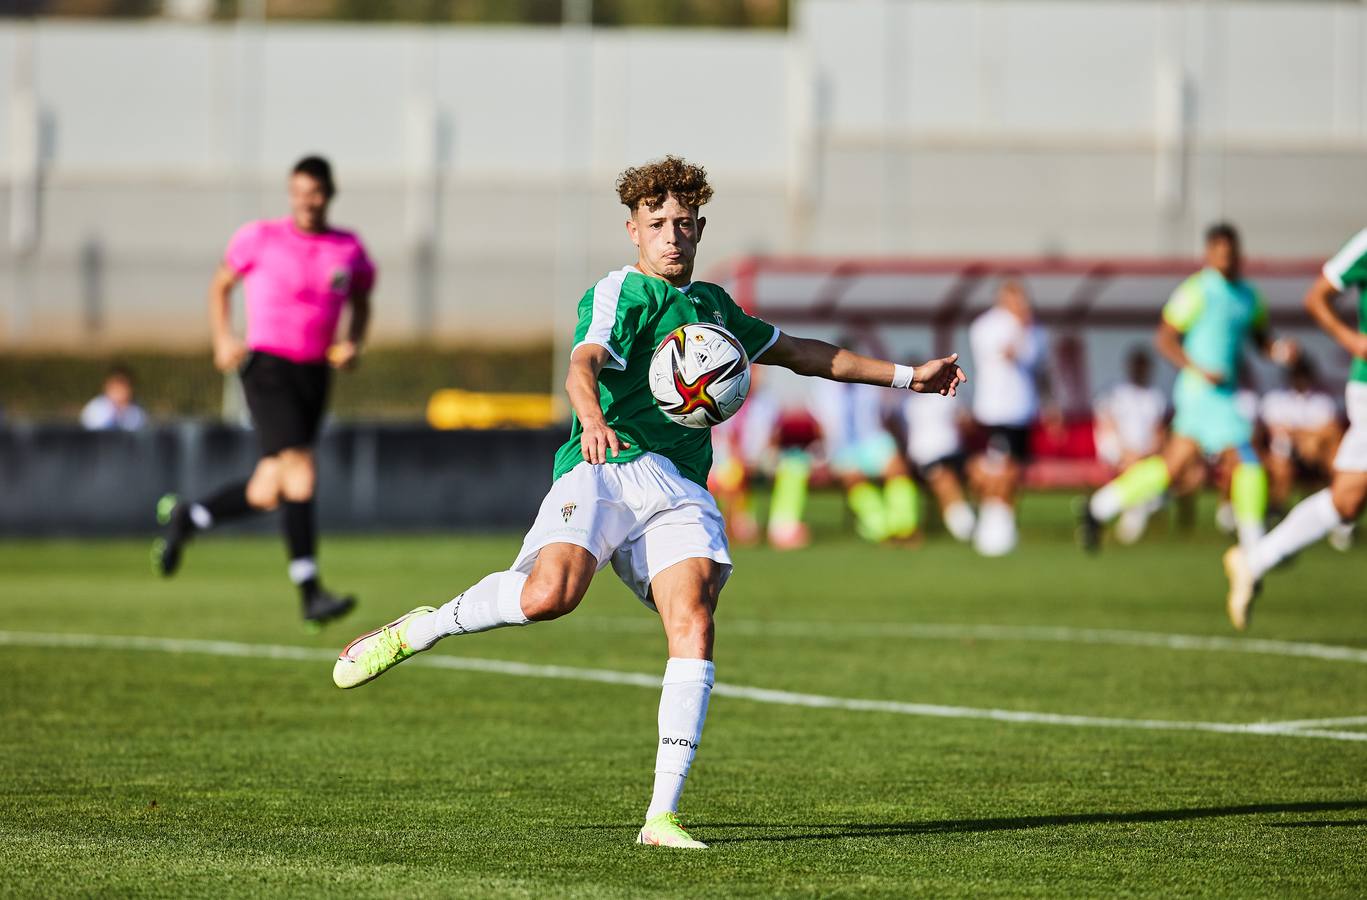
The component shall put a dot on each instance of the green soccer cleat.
(665, 830)
(1088, 526)
(374, 653)
(174, 516)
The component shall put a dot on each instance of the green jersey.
(630, 314)
(1215, 317)
(1348, 269)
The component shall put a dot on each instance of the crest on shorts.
(568, 510)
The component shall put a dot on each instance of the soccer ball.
(699, 375)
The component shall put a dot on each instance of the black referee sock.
(228, 504)
(301, 538)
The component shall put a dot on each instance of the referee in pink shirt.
(298, 273)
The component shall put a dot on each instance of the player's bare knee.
(547, 598)
(1349, 497)
(298, 486)
(690, 629)
(263, 488)
(298, 475)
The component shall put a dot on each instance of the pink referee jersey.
(296, 285)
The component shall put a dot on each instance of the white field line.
(1322, 723)
(1049, 634)
(605, 676)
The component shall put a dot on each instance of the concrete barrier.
(61, 480)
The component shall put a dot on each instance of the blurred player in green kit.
(1343, 501)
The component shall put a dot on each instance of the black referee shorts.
(1011, 441)
(287, 400)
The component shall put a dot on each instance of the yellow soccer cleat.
(1243, 587)
(374, 653)
(665, 830)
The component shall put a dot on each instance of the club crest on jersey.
(568, 510)
(717, 316)
(340, 281)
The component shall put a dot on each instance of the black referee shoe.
(1088, 528)
(166, 551)
(320, 607)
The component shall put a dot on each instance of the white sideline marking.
(1050, 634)
(1320, 723)
(606, 676)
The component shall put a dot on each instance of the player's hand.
(597, 440)
(1358, 346)
(1215, 378)
(229, 352)
(939, 376)
(344, 355)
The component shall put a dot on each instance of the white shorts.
(1352, 455)
(642, 516)
(928, 449)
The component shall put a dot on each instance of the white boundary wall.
(478, 162)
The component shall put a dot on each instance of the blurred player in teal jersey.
(1204, 328)
(1342, 502)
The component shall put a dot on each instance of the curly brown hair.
(653, 182)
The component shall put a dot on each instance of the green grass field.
(132, 770)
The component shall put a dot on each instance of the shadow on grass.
(1137, 817)
(815, 831)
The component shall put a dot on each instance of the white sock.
(302, 569)
(1250, 533)
(1106, 504)
(1224, 517)
(1129, 528)
(683, 707)
(960, 520)
(996, 534)
(1308, 521)
(203, 519)
(495, 602)
(1341, 536)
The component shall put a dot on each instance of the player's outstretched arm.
(582, 387)
(229, 351)
(807, 356)
(343, 355)
(1319, 302)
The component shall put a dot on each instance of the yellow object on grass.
(451, 408)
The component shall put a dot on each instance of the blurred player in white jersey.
(1343, 501)
(935, 447)
(1008, 348)
(1130, 425)
(1303, 434)
(861, 450)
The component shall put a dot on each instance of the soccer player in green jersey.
(1343, 501)
(630, 484)
(1205, 325)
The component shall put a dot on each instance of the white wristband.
(903, 376)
